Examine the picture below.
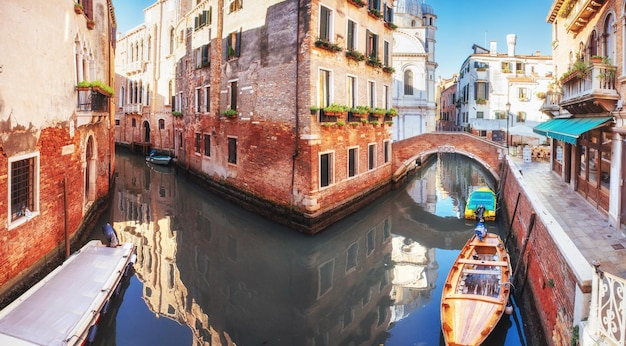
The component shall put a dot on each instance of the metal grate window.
(22, 190)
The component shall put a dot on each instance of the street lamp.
(508, 109)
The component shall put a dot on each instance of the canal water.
(209, 272)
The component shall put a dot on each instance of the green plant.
(481, 101)
(359, 3)
(391, 25)
(177, 114)
(315, 108)
(364, 121)
(360, 110)
(375, 122)
(77, 5)
(231, 113)
(354, 123)
(392, 112)
(389, 69)
(373, 61)
(96, 84)
(375, 13)
(550, 283)
(336, 108)
(541, 95)
(340, 123)
(231, 51)
(327, 124)
(389, 122)
(379, 111)
(355, 55)
(325, 44)
(575, 336)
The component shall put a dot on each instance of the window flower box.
(390, 25)
(374, 62)
(354, 55)
(336, 110)
(389, 69)
(327, 45)
(97, 86)
(358, 3)
(90, 24)
(375, 13)
(78, 8)
(230, 113)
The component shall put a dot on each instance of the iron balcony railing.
(92, 101)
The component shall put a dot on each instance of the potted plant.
(373, 61)
(541, 95)
(314, 109)
(389, 122)
(78, 8)
(375, 122)
(481, 101)
(360, 110)
(230, 113)
(341, 123)
(177, 114)
(327, 125)
(354, 55)
(354, 124)
(375, 13)
(389, 69)
(596, 59)
(335, 110)
(358, 3)
(327, 45)
(392, 112)
(378, 111)
(91, 24)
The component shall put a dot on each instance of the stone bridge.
(410, 152)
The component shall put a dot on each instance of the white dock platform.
(60, 309)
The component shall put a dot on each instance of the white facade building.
(414, 63)
(492, 84)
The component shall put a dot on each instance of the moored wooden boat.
(162, 160)
(476, 291)
(482, 197)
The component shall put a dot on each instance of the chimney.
(493, 48)
(510, 43)
(538, 53)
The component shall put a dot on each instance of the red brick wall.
(544, 277)
(29, 246)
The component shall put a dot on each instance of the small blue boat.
(163, 160)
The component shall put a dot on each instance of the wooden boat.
(65, 306)
(476, 291)
(484, 197)
(163, 160)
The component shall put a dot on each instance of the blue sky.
(460, 24)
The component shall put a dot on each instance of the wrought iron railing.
(607, 318)
(92, 101)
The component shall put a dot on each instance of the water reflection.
(233, 277)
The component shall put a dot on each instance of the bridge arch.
(408, 153)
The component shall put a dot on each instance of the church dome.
(412, 7)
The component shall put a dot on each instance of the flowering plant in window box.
(390, 25)
(375, 13)
(325, 44)
(375, 122)
(360, 110)
(335, 110)
(392, 112)
(389, 122)
(341, 123)
(230, 113)
(480, 101)
(354, 55)
(354, 123)
(78, 8)
(97, 86)
(358, 3)
(378, 112)
(314, 109)
(327, 125)
(177, 114)
(389, 69)
(373, 61)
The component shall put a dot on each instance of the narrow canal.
(209, 272)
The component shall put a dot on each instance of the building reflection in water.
(234, 277)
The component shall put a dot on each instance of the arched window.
(593, 44)
(408, 82)
(608, 47)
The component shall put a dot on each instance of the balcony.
(134, 108)
(580, 12)
(91, 100)
(593, 93)
(135, 67)
(550, 106)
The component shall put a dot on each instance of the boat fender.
(91, 334)
(105, 307)
(509, 309)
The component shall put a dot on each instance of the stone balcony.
(595, 93)
(550, 106)
(133, 108)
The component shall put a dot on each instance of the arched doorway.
(90, 170)
(146, 127)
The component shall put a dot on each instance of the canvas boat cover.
(62, 306)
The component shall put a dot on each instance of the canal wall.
(550, 275)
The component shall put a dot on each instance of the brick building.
(57, 144)
(447, 106)
(276, 67)
(587, 126)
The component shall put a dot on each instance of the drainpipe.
(297, 107)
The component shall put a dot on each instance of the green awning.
(569, 129)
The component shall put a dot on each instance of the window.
(324, 88)
(352, 35)
(197, 143)
(234, 44)
(386, 97)
(232, 150)
(326, 21)
(374, 5)
(351, 91)
(117, 122)
(207, 145)
(196, 100)
(353, 162)
(371, 156)
(500, 115)
(481, 91)
(372, 45)
(521, 117)
(523, 94)
(371, 245)
(387, 149)
(234, 5)
(180, 101)
(207, 104)
(23, 187)
(480, 115)
(386, 54)
(519, 67)
(371, 94)
(133, 122)
(325, 273)
(172, 38)
(388, 14)
(161, 124)
(233, 95)
(351, 256)
(506, 67)
(408, 82)
(326, 169)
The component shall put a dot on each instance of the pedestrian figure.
(110, 235)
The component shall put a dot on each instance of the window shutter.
(238, 48)
(486, 91)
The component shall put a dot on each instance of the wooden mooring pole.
(529, 229)
(67, 233)
(506, 242)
